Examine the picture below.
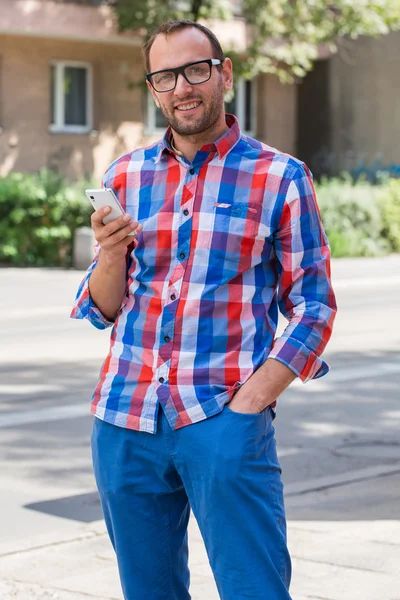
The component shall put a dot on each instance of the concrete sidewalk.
(341, 457)
(365, 268)
(354, 558)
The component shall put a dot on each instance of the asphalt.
(338, 444)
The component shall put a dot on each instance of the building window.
(242, 105)
(71, 97)
(154, 121)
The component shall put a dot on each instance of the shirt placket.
(173, 291)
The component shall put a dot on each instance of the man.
(226, 228)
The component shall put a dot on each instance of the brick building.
(67, 99)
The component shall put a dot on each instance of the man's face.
(190, 109)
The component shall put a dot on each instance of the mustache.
(187, 101)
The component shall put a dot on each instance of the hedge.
(38, 217)
(39, 214)
(360, 219)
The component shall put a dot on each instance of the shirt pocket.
(234, 229)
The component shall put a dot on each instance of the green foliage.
(285, 34)
(360, 219)
(38, 216)
(389, 203)
(146, 15)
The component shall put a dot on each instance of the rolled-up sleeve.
(84, 307)
(305, 294)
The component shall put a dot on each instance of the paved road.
(337, 439)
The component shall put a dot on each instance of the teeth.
(188, 106)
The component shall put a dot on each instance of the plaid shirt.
(226, 240)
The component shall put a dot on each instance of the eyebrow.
(192, 62)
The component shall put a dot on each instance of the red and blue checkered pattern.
(226, 241)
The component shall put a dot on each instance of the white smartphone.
(106, 197)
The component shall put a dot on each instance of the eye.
(197, 70)
(164, 77)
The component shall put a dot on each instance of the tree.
(286, 34)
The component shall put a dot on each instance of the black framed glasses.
(194, 73)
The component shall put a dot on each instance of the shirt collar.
(222, 145)
(173, 147)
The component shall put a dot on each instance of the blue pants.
(226, 469)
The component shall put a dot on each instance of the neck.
(190, 144)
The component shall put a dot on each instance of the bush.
(38, 217)
(39, 214)
(389, 203)
(360, 219)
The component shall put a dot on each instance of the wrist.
(260, 404)
(256, 400)
(110, 259)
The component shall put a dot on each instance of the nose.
(182, 88)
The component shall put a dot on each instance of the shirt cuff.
(85, 308)
(300, 359)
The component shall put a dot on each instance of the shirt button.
(161, 380)
(182, 255)
(192, 171)
(186, 212)
(173, 297)
(167, 339)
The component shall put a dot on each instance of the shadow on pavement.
(322, 430)
(82, 507)
(32, 385)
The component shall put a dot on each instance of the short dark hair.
(172, 26)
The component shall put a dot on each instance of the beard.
(211, 115)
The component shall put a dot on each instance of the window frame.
(150, 128)
(241, 112)
(59, 125)
(149, 122)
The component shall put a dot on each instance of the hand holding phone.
(106, 197)
(113, 228)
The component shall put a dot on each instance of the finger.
(118, 224)
(135, 229)
(106, 230)
(98, 215)
(125, 233)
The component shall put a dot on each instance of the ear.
(153, 93)
(227, 74)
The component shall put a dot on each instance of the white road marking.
(39, 311)
(44, 415)
(27, 388)
(362, 282)
(284, 451)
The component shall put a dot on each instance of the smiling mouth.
(187, 107)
